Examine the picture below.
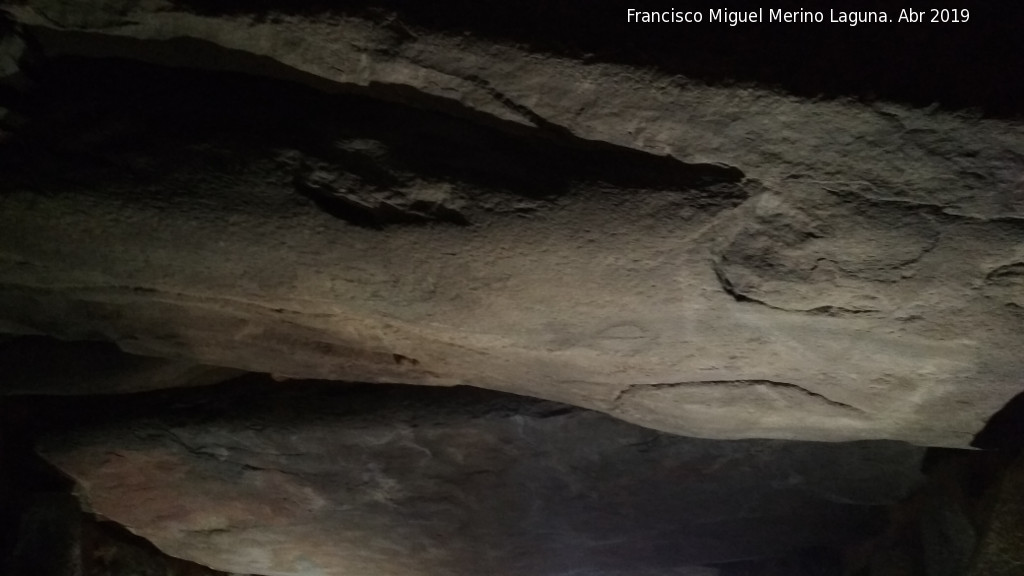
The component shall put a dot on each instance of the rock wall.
(370, 195)
(321, 478)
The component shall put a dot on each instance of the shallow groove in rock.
(920, 207)
(1007, 273)
(640, 388)
(826, 310)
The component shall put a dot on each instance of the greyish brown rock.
(424, 207)
(668, 232)
(336, 480)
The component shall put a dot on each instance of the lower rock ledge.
(260, 477)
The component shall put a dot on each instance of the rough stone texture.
(306, 478)
(396, 204)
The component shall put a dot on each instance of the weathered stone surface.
(396, 205)
(401, 192)
(306, 478)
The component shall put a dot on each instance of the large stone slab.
(336, 198)
(300, 478)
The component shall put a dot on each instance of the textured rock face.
(369, 201)
(398, 192)
(320, 479)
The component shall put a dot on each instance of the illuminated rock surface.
(722, 234)
(327, 479)
(364, 202)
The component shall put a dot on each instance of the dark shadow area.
(33, 499)
(33, 362)
(43, 530)
(1005, 429)
(36, 365)
(121, 127)
(976, 64)
(111, 550)
(813, 561)
(96, 112)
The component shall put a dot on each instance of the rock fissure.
(825, 310)
(623, 166)
(634, 389)
(932, 208)
(220, 453)
(1007, 273)
(537, 120)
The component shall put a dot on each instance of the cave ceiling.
(392, 194)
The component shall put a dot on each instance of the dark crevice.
(828, 310)
(377, 214)
(954, 65)
(728, 288)
(636, 388)
(561, 411)
(26, 482)
(1006, 274)
(259, 80)
(367, 160)
(111, 549)
(536, 119)
(936, 211)
(1005, 429)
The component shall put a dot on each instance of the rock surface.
(306, 478)
(327, 194)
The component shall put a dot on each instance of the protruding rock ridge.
(602, 102)
(676, 227)
(266, 479)
(640, 388)
(316, 196)
(920, 64)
